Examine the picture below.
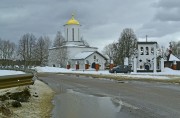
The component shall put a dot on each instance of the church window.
(142, 51)
(147, 51)
(67, 34)
(94, 56)
(87, 62)
(73, 34)
(77, 62)
(78, 34)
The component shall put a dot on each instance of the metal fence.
(17, 80)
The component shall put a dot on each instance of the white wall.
(99, 59)
(69, 33)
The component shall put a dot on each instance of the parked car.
(121, 69)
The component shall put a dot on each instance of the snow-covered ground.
(10, 72)
(158, 75)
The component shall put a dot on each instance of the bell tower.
(72, 30)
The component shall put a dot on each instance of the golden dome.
(72, 21)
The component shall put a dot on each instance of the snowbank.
(158, 75)
(10, 72)
(51, 69)
(169, 71)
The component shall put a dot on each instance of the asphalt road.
(87, 97)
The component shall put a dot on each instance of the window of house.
(147, 51)
(152, 50)
(87, 62)
(142, 51)
(67, 34)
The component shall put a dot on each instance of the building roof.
(72, 21)
(85, 54)
(173, 58)
(82, 55)
(148, 42)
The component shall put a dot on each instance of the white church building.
(80, 56)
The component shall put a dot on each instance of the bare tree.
(58, 54)
(85, 42)
(7, 49)
(109, 50)
(175, 47)
(62, 56)
(41, 49)
(59, 40)
(26, 48)
(1, 47)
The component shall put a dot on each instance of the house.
(172, 62)
(146, 60)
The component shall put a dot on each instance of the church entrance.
(93, 65)
(147, 66)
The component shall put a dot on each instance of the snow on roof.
(82, 55)
(173, 58)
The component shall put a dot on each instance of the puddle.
(78, 105)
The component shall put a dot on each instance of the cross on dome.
(72, 21)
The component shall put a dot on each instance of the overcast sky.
(102, 20)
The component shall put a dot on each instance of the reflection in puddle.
(78, 105)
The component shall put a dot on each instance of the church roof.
(72, 21)
(82, 55)
(85, 54)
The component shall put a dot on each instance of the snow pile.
(51, 69)
(10, 72)
(169, 71)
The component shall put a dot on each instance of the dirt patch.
(33, 104)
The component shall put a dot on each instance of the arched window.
(73, 34)
(87, 62)
(77, 62)
(147, 51)
(142, 51)
(67, 34)
(94, 56)
(78, 34)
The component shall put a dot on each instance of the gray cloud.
(101, 20)
(168, 4)
(166, 20)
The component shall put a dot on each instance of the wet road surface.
(86, 97)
